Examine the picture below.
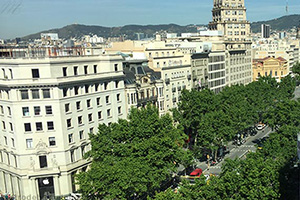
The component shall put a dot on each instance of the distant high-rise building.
(282, 35)
(298, 31)
(265, 31)
(139, 36)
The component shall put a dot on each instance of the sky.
(23, 17)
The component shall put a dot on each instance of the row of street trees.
(136, 158)
(212, 120)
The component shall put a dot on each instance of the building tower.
(265, 31)
(229, 16)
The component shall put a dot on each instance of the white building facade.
(48, 106)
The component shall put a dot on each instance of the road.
(297, 93)
(235, 152)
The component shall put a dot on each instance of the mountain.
(78, 30)
(281, 23)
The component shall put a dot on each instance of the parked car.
(196, 173)
(260, 126)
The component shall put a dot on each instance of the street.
(235, 152)
(297, 93)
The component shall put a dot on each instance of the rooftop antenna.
(287, 7)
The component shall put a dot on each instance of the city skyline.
(23, 17)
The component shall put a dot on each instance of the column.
(2, 182)
(8, 182)
(56, 185)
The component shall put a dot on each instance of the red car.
(196, 173)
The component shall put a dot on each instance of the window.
(117, 84)
(86, 88)
(29, 143)
(81, 135)
(98, 100)
(107, 99)
(13, 142)
(99, 115)
(48, 110)
(27, 127)
(11, 126)
(50, 126)
(65, 92)
(85, 69)
(95, 69)
(35, 94)
(76, 90)
(35, 73)
(24, 94)
(69, 124)
(78, 105)
(72, 155)
(67, 107)
(3, 125)
(46, 94)
(108, 113)
(79, 119)
(1, 110)
(96, 87)
(43, 161)
(105, 86)
(70, 138)
(82, 151)
(52, 141)
(90, 117)
(88, 103)
(65, 71)
(5, 140)
(39, 126)
(275, 73)
(91, 130)
(118, 97)
(37, 110)
(9, 110)
(75, 68)
(119, 110)
(116, 67)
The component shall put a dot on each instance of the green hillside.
(281, 23)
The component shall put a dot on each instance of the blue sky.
(22, 17)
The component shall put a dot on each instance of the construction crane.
(287, 7)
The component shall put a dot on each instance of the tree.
(296, 69)
(282, 113)
(193, 106)
(132, 159)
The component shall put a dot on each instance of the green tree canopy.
(132, 159)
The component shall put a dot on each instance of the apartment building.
(229, 17)
(173, 64)
(48, 106)
(208, 71)
(286, 48)
(142, 85)
(269, 66)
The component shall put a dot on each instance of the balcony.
(179, 88)
(173, 89)
(174, 99)
(144, 101)
(189, 77)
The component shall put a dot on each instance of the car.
(260, 126)
(196, 173)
